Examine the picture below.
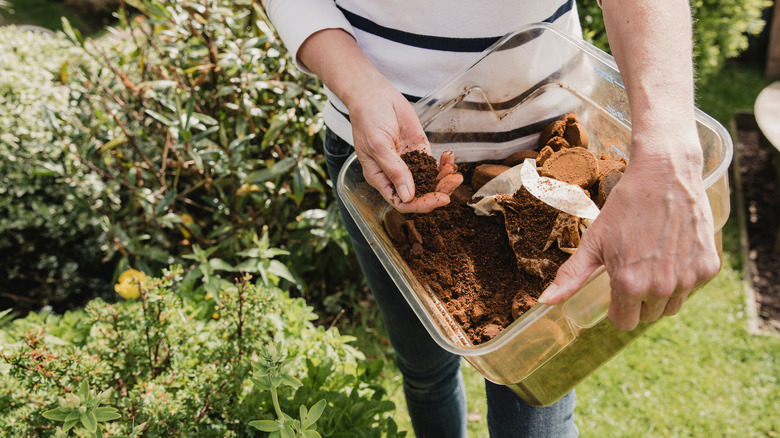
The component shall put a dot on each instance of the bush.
(204, 134)
(720, 29)
(177, 364)
(51, 241)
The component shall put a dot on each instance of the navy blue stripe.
(445, 44)
(489, 137)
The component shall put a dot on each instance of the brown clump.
(544, 154)
(607, 164)
(424, 171)
(606, 183)
(395, 226)
(554, 129)
(574, 166)
(485, 172)
(518, 158)
(575, 133)
(558, 143)
(462, 194)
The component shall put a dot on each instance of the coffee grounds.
(478, 266)
(424, 171)
(468, 262)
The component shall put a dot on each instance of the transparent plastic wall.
(489, 110)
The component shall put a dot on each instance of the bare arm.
(655, 234)
(384, 124)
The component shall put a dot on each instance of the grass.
(696, 374)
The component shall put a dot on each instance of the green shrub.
(173, 369)
(721, 29)
(51, 241)
(204, 134)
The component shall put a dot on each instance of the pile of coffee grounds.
(478, 266)
(424, 171)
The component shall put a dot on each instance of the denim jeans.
(432, 382)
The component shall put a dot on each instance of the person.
(656, 240)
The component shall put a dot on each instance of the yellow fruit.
(128, 284)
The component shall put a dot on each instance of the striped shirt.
(415, 44)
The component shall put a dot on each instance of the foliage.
(203, 133)
(83, 408)
(173, 364)
(51, 241)
(270, 373)
(720, 28)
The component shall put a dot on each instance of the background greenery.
(92, 158)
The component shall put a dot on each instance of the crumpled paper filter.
(566, 197)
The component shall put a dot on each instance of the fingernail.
(404, 193)
(548, 294)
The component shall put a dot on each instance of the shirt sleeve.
(296, 20)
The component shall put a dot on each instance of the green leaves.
(83, 408)
(271, 372)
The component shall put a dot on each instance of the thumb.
(571, 275)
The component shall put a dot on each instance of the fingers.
(446, 169)
(447, 157)
(674, 305)
(422, 204)
(572, 274)
(624, 310)
(449, 183)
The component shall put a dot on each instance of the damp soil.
(758, 166)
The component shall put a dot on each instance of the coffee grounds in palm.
(424, 171)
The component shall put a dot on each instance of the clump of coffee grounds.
(424, 171)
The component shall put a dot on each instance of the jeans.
(432, 382)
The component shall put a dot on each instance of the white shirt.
(415, 44)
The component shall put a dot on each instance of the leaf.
(68, 424)
(221, 265)
(265, 425)
(279, 168)
(161, 118)
(291, 381)
(311, 434)
(157, 85)
(287, 432)
(113, 143)
(166, 202)
(73, 34)
(316, 411)
(240, 141)
(89, 421)
(206, 120)
(84, 390)
(106, 414)
(280, 270)
(58, 414)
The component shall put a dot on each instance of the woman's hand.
(384, 124)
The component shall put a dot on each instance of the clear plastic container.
(495, 107)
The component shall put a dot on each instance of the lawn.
(696, 374)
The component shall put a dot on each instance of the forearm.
(652, 44)
(335, 57)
